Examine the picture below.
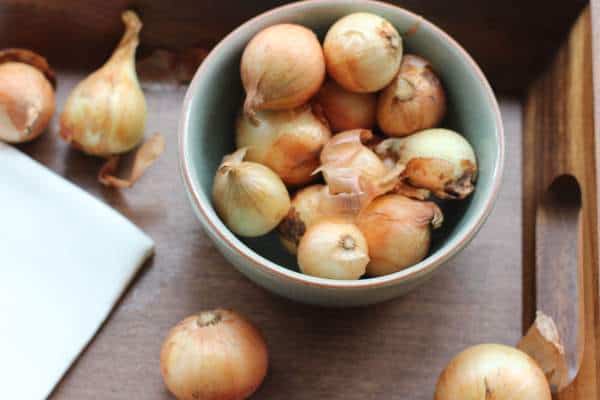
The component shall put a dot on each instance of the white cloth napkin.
(65, 259)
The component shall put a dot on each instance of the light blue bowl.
(206, 133)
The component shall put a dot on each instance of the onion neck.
(208, 318)
(125, 51)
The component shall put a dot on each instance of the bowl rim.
(277, 271)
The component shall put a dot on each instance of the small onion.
(492, 371)
(282, 67)
(215, 355)
(415, 100)
(439, 160)
(304, 211)
(105, 114)
(362, 52)
(249, 197)
(287, 141)
(346, 152)
(26, 95)
(346, 110)
(333, 249)
(398, 232)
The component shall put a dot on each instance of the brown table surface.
(391, 350)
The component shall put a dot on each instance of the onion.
(106, 112)
(215, 355)
(354, 174)
(346, 110)
(439, 160)
(414, 101)
(345, 153)
(304, 211)
(249, 197)
(288, 142)
(282, 67)
(26, 95)
(333, 249)
(398, 232)
(362, 52)
(492, 371)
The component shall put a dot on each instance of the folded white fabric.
(65, 259)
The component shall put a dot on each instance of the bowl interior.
(217, 95)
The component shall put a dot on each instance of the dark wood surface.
(512, 40)
(393, 350)
(559, 140)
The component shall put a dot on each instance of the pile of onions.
(287, 141)
(214, 355)
(353, 184)
(282, 67)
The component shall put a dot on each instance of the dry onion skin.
(214, 355)
(106, 113)
(333, 249)
(398, 232)
(439, 160)
(543, 343)
(288, 141)
(415, 100)
(346, 152)
(492, 371)
(249, 197)
(27, 100)
(346, 110)
(362, 52)
(354, 174)
(282, 67)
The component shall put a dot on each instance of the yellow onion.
(282, 67)
(287, 141)
(346, 110)
(307, 208)
(249, 197)
(345, 154)
(398, 232)
(304, 211)
(214, 355)
(415, 100)
(439, 160)
(333, 249)
(362, 52)
(26, 95)
(106, 113)
(492, 372)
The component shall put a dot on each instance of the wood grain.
(560, 138)
(388, 351)
(525, 34)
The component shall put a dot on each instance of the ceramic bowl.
(206, 134)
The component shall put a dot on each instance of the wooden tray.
(392, 350)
